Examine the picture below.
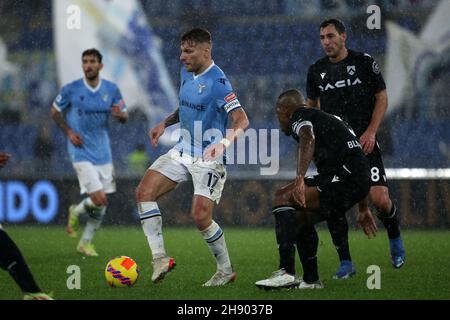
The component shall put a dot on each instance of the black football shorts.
(341, 190)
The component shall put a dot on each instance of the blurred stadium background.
(264, 47)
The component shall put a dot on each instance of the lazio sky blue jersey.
(87, 114)
(205, 101)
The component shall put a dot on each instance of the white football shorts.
(93, 177)
(208, 177)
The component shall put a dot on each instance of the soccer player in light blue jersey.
(206, 102)
(87, 104)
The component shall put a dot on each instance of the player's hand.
(367, 141)
(118, 113)
(213, 151)
(155, 133)
(4, 157)
(75, 138)
(299, 191)
(366, 221)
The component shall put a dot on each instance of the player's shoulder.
(216, 73)
(361, 56)
(320, 63)
(218, 77)
(72, 86)
(109, 84)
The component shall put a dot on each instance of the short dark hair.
(338, 24)
(92, 52)
(199, 35)
(294, 95)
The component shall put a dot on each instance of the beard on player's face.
(91, 74)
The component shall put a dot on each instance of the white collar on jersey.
(207, 69)
(94, 90)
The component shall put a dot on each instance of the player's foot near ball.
(397, 252)
(87, 249)
(162, 266)
(73, 223)
(279, 279)
(38, 296)
(220, 278)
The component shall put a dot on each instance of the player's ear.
(100, 67)
(344, 36)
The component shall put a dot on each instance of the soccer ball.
(121, 272)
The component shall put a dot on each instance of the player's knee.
(99, 200)
(201, 214)
(145, 194)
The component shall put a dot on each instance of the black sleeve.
(312, 91)
(300, 118)
(376, 80)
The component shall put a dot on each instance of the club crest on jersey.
(105, 97)
(200, 88)
(323, 75)
(351, 70)
(375, 68)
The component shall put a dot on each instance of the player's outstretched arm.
(74, 137)
(239, 123)
(158, 131)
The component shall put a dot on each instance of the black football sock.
(338, 227)
(286, 228)
(390, 222)
(11, 260)
(307, 243)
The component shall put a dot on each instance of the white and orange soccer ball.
(121, 272)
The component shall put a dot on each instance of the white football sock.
(84, 206)
(152, 225)
(93, 223)
(215, 239)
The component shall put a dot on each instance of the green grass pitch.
(49, 252)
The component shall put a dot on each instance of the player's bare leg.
(152, 186)
(201, 212)
(387, 212)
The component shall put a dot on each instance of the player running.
(87, 104)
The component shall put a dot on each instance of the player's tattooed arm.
(158, 131)
(172, 119)
(305, 155)
(306, 148)
(74, 137)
